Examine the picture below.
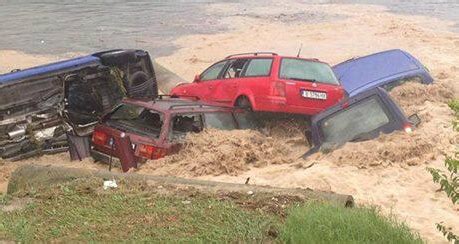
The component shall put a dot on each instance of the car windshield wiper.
(301, 79)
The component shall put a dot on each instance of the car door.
(208, 82)
(227, 88)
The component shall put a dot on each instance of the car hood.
(360, 74)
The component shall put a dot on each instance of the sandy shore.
(404, 189)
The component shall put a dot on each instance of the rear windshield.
(136, 119)
(353, 122)
(299, 69)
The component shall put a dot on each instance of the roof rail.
(197, 105)
(255, 53)
(161, 96)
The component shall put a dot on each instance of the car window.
(259, 67)
(246, 120)
(220, 120)
(300, 69)
(136, 119)
(353, 122)
(182, 124)
(235, 68)
(213, 71)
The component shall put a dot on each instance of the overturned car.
(40, 105)
(386, 69)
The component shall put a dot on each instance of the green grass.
(326, 223)
(84, 212)
(71, 215)
(454, 105)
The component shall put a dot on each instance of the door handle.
(211, 87)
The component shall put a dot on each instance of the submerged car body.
(361, 117)
(156, 128)
(385, 69)
(267, 82)
(40, 104)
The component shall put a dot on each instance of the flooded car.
(267, 82)
(385, 69)
(39, 105)
(362, 117)
(156, 128)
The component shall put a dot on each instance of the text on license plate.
(314, 94)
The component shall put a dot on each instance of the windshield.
(353, 122)
(222, 121)
(300, 69)
(136, 119)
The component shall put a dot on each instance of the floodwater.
(62, 26)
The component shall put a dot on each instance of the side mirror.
(414, 120)
(197, 78)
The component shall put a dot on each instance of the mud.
(216, 152)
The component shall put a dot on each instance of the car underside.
(39, 106)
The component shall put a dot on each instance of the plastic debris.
(110, 184)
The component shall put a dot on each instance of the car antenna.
(299, 50)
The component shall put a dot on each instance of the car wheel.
(244, 103)
(120, 57)
(140, 85)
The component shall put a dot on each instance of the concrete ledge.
(30, 177)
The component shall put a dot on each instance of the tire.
(118, 57)
(141, 85)
(243, 103)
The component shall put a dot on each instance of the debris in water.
(110, 184)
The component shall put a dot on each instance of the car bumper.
(280, 105)
(105, 158)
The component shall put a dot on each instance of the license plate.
(314, 94)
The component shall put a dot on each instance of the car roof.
(47, 68)
(178, 105)
(268, 55)
(56, 67)
(363, 73)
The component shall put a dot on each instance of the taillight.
(279, 89)
(408, 128)
(99, 137)
(151, 152)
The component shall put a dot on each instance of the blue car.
(385, 69)
(39, 105)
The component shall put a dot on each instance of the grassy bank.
(82, 211)
(326, 223)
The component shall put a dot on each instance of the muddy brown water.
(47, 27)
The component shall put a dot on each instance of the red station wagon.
(156, 128)
(267, 82)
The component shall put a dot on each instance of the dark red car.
(267, 82)
(156, 128)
